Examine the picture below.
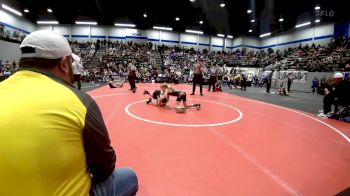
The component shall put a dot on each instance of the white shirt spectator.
(77, 65)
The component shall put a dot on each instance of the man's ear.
(64, 65)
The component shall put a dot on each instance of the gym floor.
(234, 145)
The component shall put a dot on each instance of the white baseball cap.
(45, 44)
(338, 75)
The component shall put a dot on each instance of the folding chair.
(344, 111)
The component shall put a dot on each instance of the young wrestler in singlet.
(157, 98)
(113, 84)
(180, 97)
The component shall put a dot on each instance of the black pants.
(289, 84)
(244, 84)
(328, 100)
(197, 79)
(77, 79)
(132, 82)
(212, 82)
(268, 86)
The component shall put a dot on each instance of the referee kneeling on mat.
(53, 137)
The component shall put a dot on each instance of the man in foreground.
(53, 137)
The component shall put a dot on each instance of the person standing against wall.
(214, 72)
(198, 71)
(315, 85)
(268, 82)
(244, 82)
(289, 81)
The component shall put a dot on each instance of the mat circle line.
(186, 125)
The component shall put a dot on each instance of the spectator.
(77, 70)
(268, 79)
(347, 67)
(53, 138)
(315, 85)
(337, 95)
(289, 82)
(244, 82)
(132, 77)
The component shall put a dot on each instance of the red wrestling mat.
(232, 146)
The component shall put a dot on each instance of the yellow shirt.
(42, 130)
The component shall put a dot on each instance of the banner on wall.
(133, 32)
(298, 76)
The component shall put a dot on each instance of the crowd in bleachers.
(7, 68)
(85, 51)
(177, 62)
(332, 57)
(116, 57)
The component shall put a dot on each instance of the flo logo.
(325, 13)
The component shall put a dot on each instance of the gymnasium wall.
(237, 44)
(228, 44)
(204, 42)
(251, 43)
(9, 51)
(318, 34)
(16, 23)
(217, 43)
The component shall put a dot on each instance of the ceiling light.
(281, 20)
(191, 0)
(222, 5)
(201, 22)
(26, 10)
(177, 18)
(192, 31)
(47, 22)
(265, 34)
(317, 20)
(230, 36)
(85, 23)
(49, 10)
(124, 25)
(10, 9)
(252, 20)
(249, 11)
(221, 35)
(250, 31)
(317, 7)
(163, 28)
(145, 15)
(303, 24)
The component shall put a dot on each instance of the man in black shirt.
(339, 94)
(132, 77)
(199, 68)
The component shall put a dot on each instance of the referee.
(214, 72)
(132, 77)
(199, 68)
